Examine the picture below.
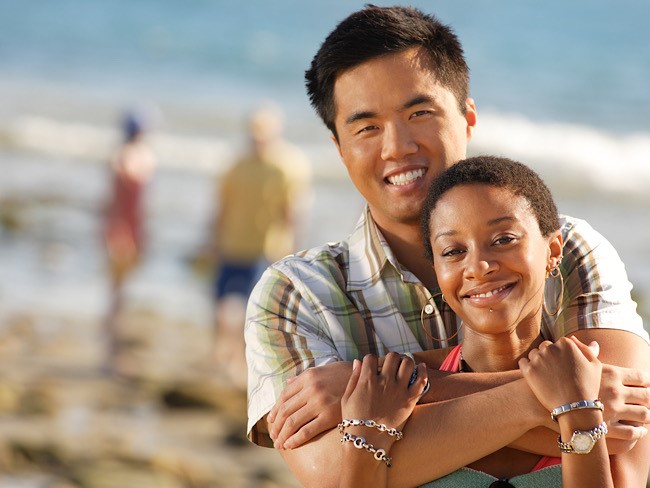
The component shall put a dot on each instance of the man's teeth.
(489, 293)
(405, 178)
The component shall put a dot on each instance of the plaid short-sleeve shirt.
(343, 300)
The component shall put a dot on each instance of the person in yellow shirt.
(261, 198)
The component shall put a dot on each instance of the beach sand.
(165, 421)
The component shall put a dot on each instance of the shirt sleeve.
(596, 292)
(284, 336)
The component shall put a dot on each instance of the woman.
(496, 241)
(132, 168)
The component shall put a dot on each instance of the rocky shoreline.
(163, 421)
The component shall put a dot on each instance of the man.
(260, 202)
(392, 86)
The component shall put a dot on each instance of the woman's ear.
(555, 249)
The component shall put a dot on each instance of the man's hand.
(309, 405)
(625, 393)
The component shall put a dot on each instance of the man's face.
(398, 129)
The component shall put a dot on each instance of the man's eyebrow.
(359, 116)
(417, 100)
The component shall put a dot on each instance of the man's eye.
(420, 113)
(367, 129)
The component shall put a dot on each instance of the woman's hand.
(383, 394)
(563, 372)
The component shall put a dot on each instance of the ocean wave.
(568, 156)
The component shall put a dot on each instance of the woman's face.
(490, 257)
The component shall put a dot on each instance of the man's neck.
(405, 240)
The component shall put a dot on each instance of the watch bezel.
(577, 440)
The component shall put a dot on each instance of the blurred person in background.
(261, 204)
(132, 167)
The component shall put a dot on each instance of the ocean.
(560, 85)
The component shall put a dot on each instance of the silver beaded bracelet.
(360, 443)
(370, 423)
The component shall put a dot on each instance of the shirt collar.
(370, 254)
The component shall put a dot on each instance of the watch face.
(582, 442)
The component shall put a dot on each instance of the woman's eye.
(451, 252)
(504, 240)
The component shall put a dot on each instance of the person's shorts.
(238, 279)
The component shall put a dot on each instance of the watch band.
(576, 406)
(596, 433)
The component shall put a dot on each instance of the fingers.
(369, 367)
(624, 386)
(636, 414)
(635, 377)
(284, 410)
(291, 417)
(589, 351)
(292, 388)
(638, 396)
(392, 365)
(420, 387)
(308, 431)
(354, 378)
(524, 365)
(625, 432)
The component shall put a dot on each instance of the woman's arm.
(453, 433)
(384, 397)
(560, 374)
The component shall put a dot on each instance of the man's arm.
(310, 404)
(510, 410)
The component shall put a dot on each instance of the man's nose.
(397, 142)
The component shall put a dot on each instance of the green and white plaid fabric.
(343, 300)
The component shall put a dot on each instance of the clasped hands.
(311, 403)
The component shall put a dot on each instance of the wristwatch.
(583, 441)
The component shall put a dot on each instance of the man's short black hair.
(377, 31)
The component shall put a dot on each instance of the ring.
(414, 376)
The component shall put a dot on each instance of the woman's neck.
(484, 353)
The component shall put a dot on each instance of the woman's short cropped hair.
(501, 173)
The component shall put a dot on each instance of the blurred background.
(561, 86)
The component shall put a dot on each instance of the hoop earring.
(429, 308)
(554, 273)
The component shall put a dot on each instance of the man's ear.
(336, 143)
(471, 116)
